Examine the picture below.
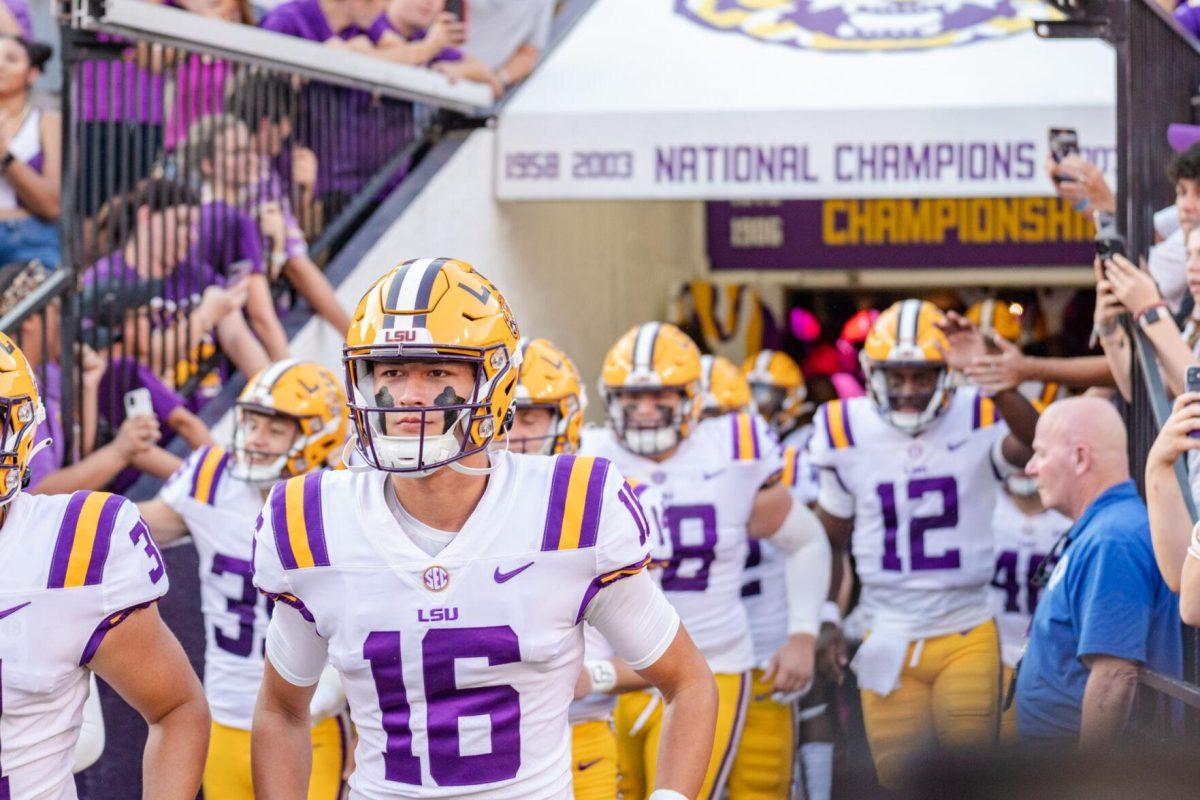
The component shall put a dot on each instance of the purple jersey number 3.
(919, 526)
(447, 704)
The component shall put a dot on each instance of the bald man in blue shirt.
(1105, 612)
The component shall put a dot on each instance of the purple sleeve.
(20, 11)
(164, 400)
(378, 28)
(448, 54)
(250, 244)
(1189, 17)
(283, 19)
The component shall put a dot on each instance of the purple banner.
(897, 233)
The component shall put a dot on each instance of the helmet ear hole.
(509, 417)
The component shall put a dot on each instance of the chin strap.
(39, 447)
(465, 470)
(353, 442)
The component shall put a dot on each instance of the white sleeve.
(999, 463)
(90, 745)
(833, 496)
(635, 617)
(807, 567)
(296, 650)
(539, 37)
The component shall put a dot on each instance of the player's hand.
(136, 435)
(966, 341)
(1135, 288)
(1108, 307)
(1173, 440)
(997, 372)
(791, 668)
(831, 654)
(583, 684)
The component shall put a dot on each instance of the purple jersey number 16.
(947, 487)
(447, 704)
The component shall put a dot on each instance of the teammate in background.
(549, 403)
(78, 595)
(908, 477)
(288, 420)
(720, 484)
(723, 390)
(448, 583)
(779, 392)
(1026, 533)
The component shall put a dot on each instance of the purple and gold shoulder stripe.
(576, 495)
(745, 438)
(983, 415)
(297, 522)
(207, 477)
(84, 537)
(837, 425)
(791, 466)
(608, 579)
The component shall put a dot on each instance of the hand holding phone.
(138, 403)
(1063, 142)
(1191, 381)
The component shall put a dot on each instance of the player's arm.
(280, 738)
(1021, 417)
(794, 529)
(141, 659)
(166, 525)
(835, 510)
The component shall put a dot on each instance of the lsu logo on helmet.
(866, 25)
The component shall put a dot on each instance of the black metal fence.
(1157, 83)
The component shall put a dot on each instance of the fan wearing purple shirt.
(340, 24)
(14, 19)
(422, 33)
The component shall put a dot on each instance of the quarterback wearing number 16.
(448, 585)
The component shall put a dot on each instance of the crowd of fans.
(201, 186)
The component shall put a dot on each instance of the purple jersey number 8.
(447, 704)
(705, 552)
(919, 526)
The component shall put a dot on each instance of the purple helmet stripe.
(552, 531)
(426, 288)
(314, 523)
(393, 293)
(592, 503)
(66, 538)
(279, 526)
(104, 532)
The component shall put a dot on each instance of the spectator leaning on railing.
(30, 158)
(423, 34)
(1105, 611)
(508, 36)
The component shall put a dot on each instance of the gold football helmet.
(302, 391)
(550, 381)
(778, 387)
(432, 309)
(997, 317)
(905, 366)
(722, 388)
(21, 412)
(650, 359)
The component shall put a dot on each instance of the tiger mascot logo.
(866, 25)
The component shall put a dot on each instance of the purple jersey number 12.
(947, 487)
(447, 704)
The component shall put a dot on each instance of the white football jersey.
(220, 511)
(459, 667)
(708, 488)
(798, 470)
(75, 566)
(922, 508)
(598, 706)
(1022, 543)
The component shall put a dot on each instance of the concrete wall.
(578, 273)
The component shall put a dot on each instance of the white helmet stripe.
(410, 288)
(643, 346)
(987, 315)
(762, 362)
(910, 313)
(706, 364)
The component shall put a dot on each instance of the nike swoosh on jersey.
(14, 609)
(501, 577)
(955, 445)
(708, 476)
(582, 765)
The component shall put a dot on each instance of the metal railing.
(1158, 75)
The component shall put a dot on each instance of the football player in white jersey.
(720, 484)
(908, 477)
(288, 420)
(1026, 533)
(446, 584)
(79, 590)
(780, 395)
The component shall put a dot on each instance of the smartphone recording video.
(1063, 142)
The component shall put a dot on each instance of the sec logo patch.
(435, 578)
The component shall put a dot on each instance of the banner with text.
(895, 234)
